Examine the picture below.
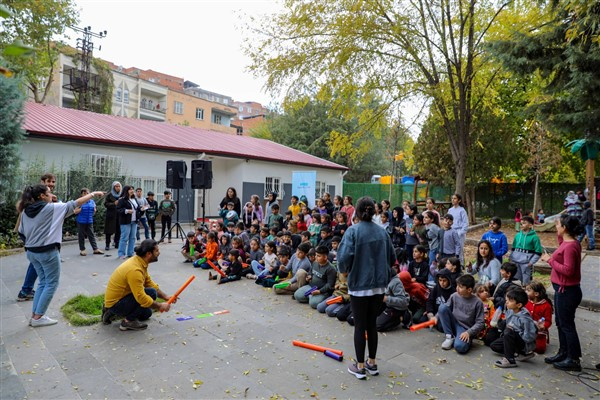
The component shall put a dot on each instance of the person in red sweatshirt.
(540, 308)
(566, 279)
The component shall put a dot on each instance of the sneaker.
(107, 315)
(250, 276)
(210, 276)
(505, 363)
(359, 373)
(448, 343)
(525, 357)
(25, 297)
(107, 248)
(42, 321)
(82, 253)
(371, 369)
(134, 325)
(98, 251)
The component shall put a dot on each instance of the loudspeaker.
(202, 174)
(176, 172)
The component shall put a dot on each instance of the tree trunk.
(470, 204)
(537, 198)
(590, 168)
(461, 167)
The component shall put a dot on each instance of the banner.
(304, 184)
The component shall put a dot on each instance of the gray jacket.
(523, 325)
(295, 264)
(396, 296)
(468, 313)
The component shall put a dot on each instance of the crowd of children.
(295, 254)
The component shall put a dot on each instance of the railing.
(156, 108)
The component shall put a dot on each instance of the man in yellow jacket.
(131, 292)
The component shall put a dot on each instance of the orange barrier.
(315, 347)
(335, 300)
(216, 268)
(422, 325)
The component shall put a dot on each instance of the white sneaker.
(43, 321)
(448, 343)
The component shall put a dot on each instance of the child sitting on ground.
(519, 333)
(340, 289)
(540, 308)
(526, 250)
(439, 295)
(211, 252)
(269, 262)
(255, 255)
(419, 267)
(233, 272)
(298, 268)
(418, 294)
(508, 271)
(453, 265)
(462, 316)
(224, 248)
(483, 292)
(191, 248)
(322, 276)
(396, 301)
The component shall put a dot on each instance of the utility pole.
(82, 85)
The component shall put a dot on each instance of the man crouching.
(131, 292)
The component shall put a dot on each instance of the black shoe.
(107, 315)
(568, 365)
(134, 325)
(558, 357)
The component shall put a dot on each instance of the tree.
(39, 24)
(399, 50)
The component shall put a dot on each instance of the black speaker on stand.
(176, 173)
(202, 179)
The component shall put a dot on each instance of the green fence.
(491, 199)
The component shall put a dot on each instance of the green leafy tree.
(40, 24)
(398, 51)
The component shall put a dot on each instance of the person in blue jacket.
(85, 224)
(366, 255)
(497, 238)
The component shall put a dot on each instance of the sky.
(198, 40)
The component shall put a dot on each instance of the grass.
(543, 278)
(83, 310)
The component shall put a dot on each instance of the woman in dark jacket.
(231, 196)
(129, 214)
(111, 219)
(366, 255)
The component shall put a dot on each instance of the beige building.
(189, 110)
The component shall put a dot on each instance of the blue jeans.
(259, 269)
(451, 327)
(47, 266)
(589, 231)
(127, 241)
(131, 309)
(144, 222)
(29, 282)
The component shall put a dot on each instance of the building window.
(126, 96)
(217, 119)
(200, 113)
(225, 101)
(241, 108)
(178, 107)
(118, 94)
(144, 103)
(319, 189)
(103, 165)
(273, 184)
(249, 109)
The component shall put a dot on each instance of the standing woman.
(129, 213)
(566, 279)
(111, 219)
(41, 231)
(272, 199)
(366, 255)
(461, 222)
(231, 196)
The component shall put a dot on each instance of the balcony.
(153, 110)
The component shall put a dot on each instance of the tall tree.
(400, 50)
(41, 24)
(11, 135)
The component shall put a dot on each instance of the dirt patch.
(548, 239)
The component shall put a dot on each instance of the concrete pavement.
(246, 353)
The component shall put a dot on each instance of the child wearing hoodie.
(396, 302)
(526, 250)
(497, 238)
(439, 295)
(508, 272)
(340, 289)
(519, 333)
(322, 276)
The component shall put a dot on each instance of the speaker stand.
(179, 230)
(204, 207)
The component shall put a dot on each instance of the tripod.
(176, 224)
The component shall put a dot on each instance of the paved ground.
(246, 353)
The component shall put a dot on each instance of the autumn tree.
(41, 24)
(400, 51)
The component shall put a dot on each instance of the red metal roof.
(52, 121)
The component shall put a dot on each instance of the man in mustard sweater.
(131, 292)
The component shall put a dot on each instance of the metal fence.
(491, 199)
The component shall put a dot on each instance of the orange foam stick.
(422, 325)
(315, 347)
(216, 268)
(181, 289)
(335, 300)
